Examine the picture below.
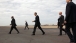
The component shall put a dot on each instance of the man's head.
(68, 1)
(12, 17)
(35, 13)
(60, 13)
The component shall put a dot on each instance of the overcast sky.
(24, 10)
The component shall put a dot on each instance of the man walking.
(13, 25)
(37, 24)
(70, 20)
(61, 19)
(26, 25)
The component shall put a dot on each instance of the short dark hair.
(35, 12)
(70, 0)
(12, 16)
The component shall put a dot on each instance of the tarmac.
(25, 36)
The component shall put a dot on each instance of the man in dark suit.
(13, 25)
(37, 24)
(61, 19)
(70, 20)
(26, 25)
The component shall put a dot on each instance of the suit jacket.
(58, 19)
(70, 12)
(13, 22)
(26, 24)
(61, 19)
(37, 21)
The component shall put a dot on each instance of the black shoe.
(71, 42)
(43, 33)
(9, 33)
(59, 35)
(33, 34)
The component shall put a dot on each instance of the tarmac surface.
(25, 36)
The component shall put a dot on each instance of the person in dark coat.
(61, 19)
(37, 24)
(26, 25)
(13, 25)
(70, 20)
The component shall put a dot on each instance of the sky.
(23, 10)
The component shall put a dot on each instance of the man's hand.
(33, 21)
(65, 22)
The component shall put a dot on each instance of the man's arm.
(13, 21)
(36, 19)
(68, 8)
(62, 20)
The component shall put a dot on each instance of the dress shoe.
(33, 34)
(71, 42)
(9, 33)
(43, 33)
